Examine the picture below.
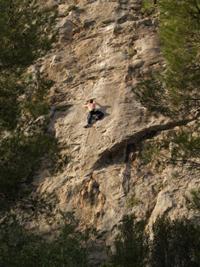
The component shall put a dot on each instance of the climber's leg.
(99, 114)
(90, 118)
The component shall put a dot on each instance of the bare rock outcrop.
(104, 49)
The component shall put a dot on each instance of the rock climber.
(94, 113)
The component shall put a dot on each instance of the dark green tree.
(19, 156)
(25, 35)
(21, 248)
(175, 91)
(22, 32)
(9, 105)
(131, 250)
(180, 42)
(175, 244)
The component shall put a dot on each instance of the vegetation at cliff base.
(173, 243)
(21, 248)
(130, 244)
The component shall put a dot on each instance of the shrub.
(130, 244)
(176, 243)
(19, 156)
(22, 32)
(193, 200)
(9, 92)
(152, 94)
(21, 248)
(179, 33)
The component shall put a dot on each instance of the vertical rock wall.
(104, 49)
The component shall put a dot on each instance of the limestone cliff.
(104, 49)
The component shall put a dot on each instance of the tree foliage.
(9, 105)
(26, 34)
(130, 244)
(175, 91)
(175, 244)
(19, 156)
(21, 248)
(186, 146)
(22, 32)
(180, 42)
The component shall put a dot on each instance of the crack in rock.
(118, 153)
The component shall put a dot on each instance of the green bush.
(152, 94)
(36, 103)
(180, 35)
(19, 156)
(130, 244)
(133, 201)
(185, 150)
(149, 152)
(9, 92)
(148, 6)
(21, 248)
(22, 32)
(175, 92)
(176, 243)
(194, 200)
(25, 35)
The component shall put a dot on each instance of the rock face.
(104, 49)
